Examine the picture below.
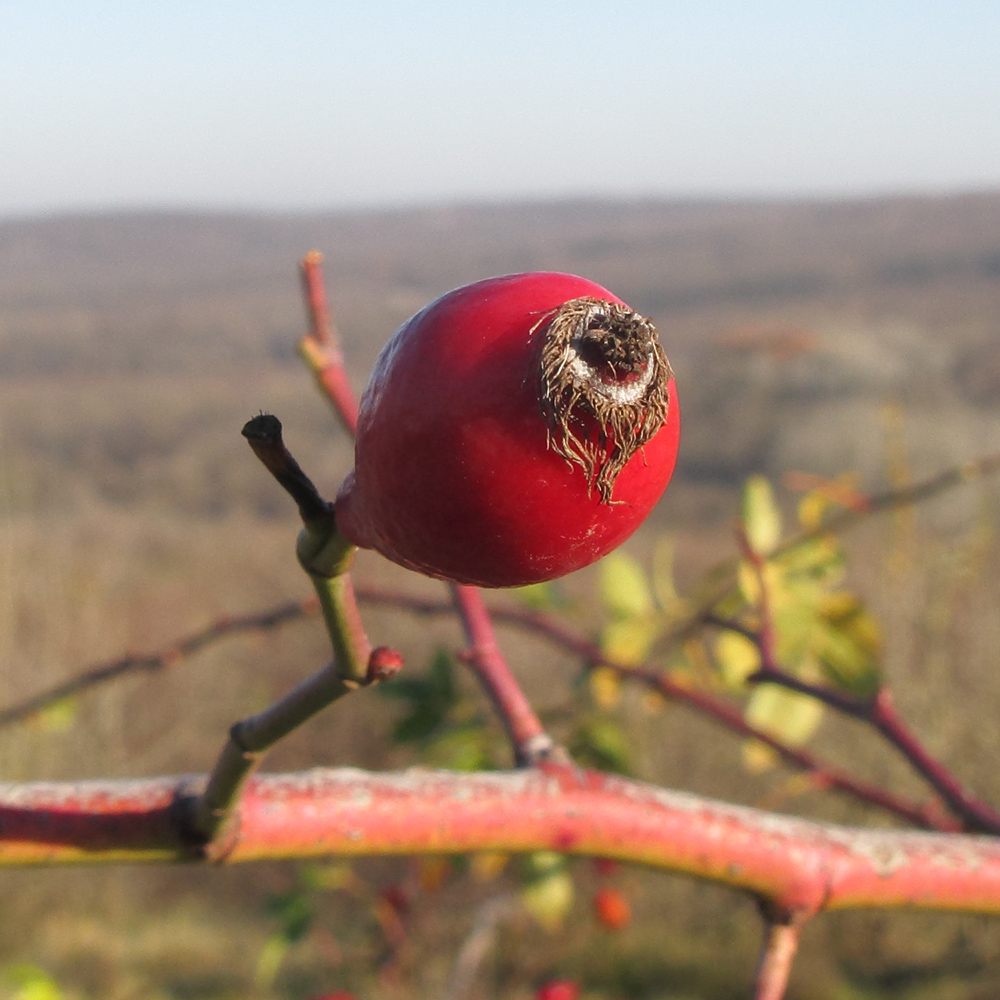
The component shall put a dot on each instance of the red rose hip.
(512, 431)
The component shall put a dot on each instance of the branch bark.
(794, 865)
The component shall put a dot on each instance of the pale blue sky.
(326, 104)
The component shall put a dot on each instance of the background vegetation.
(823, 338)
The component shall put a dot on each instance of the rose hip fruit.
(512, 431)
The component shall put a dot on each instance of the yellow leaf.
(737, 658)
(487, 865)
(624, 589)
(55, 718)
(664, 588)
(758, 757)
(786, 715)
(629, 641)
(760, 515)
(549, 899)
(605, 687)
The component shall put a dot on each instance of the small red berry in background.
(611, 909)
(558, 989)
(606, 867)
(512, 431)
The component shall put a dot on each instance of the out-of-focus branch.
(862, 508)
(781, 942)
(879, 711)
(170, 656)
(826, 776)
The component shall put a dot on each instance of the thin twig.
(725, 572)
(320, 349)
(878, 712)
(528, 738)
(781, 942)
(718, 710)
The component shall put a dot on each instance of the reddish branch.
(713, 707)
(524, 730)
(321, 350)
(172, 654)
(793, 865)
(878, 712)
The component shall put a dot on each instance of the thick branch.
(794, 865)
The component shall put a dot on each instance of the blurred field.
(813, 337)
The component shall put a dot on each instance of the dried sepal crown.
(603, 386)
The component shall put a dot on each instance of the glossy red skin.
(453, 476)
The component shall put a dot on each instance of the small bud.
(383, 664)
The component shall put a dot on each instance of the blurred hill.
(790, 324)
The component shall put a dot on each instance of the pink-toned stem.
(321, 350)
(977, 814)
(794, 865)
(524, 730)
(781, 942)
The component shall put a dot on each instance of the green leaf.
(28, 982)
(466, 748)
(630, 640)
(429, 699)
(293, 912)
(760, 515)
(600, 743)
(664, 584)
(539, 596)
(849, 646)
(625, 591)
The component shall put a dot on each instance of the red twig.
(717, 709)
(321, 346)
(322, 352)
(879, 712)
(167, 657)
(530, 741)
(781, 942)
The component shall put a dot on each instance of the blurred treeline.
(807, 337)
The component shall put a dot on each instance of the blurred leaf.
(605, 687)
(758, 757)
(338, 875)
(487, 865)
(749, 582)
(600, 743)
(548, 892)
(812, 507)
(433, 872)
(539, 596)
(28, 982)
(269, 961)
(760, 515)
(786, 715)
(664, 586)
(464, 748)
(625, 591)
(430, 698)
(293, 913)
(737, 658)
(820, 558)
(849, 644)
(629, 640)
(55, 718)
